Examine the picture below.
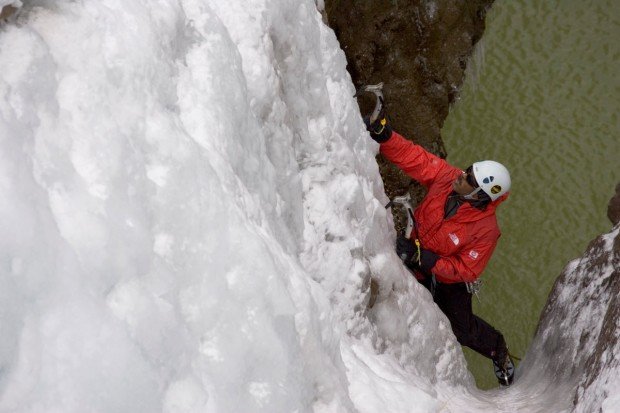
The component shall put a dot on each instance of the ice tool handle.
(405, 202)
(378, 91)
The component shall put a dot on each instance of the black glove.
(415, 259)
(407, 251)
(379, 130)
(428, 259)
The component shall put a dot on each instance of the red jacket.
(463, 242)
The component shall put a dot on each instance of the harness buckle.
(474, 288)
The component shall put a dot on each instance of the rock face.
(613, 209)
(8, 8)
(6, 12)
(419, 49)
(577, 344)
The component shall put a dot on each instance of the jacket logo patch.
(454, 238)
(473, 254)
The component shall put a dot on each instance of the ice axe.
(406, 202)
(378, 91)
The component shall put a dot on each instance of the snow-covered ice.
(191, 214)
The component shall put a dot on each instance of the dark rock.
(7, 11)
(419, 49)
(613, 208)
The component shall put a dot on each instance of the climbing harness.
(474, 288)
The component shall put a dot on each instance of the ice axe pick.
(378, 91)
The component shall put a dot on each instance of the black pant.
(469, 329)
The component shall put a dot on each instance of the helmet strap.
(472, 193)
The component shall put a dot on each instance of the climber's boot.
(504, 369)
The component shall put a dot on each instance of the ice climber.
(454, 235)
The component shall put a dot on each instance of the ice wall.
(191, 214)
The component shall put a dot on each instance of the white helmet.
(493, 178)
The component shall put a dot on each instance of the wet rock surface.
(419, 49)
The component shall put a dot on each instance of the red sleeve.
(416, 162)
(467, 265)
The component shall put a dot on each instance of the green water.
(543, 99)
